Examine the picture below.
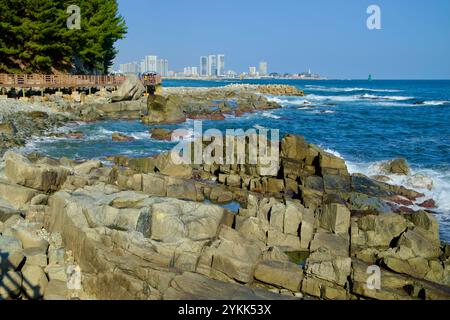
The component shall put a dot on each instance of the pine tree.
(34, 36)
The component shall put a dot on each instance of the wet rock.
(162, 109)
(362, 202)
(429, 204)
(419, 181)
(161, 134)
(397, 166)
(8, 129)
(118, 137)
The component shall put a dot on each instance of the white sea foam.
(333, 152)
(436, 103)
(285, 102)
(140, 135)
(440, 191)
(335, 89)
(395, 98)
(267, 114)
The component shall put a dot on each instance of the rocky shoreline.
(150, 229)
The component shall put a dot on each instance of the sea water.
(364, 122)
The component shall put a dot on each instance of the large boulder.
(40, 175)
(161, 109)
(397, 166)
(131, 89)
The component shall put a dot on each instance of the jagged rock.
(39, 176)
(34, 282)
(253, 228)
(421, 243)
(426, 221)
(131, 89)
(335, 217)
(377, 231)
(294, 147)
(235, 256)
(280, 274)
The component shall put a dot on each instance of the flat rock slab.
(191, 286)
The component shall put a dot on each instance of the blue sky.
(328, 36)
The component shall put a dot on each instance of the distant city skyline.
(330, 37)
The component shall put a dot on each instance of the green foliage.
(34, 36)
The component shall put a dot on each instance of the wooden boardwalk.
(40, 81)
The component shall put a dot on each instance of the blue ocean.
(364, 122)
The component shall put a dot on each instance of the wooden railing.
(58, 81)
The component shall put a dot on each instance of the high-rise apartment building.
(151, 63)
(132, 67)
(252, 71)
(163, 67)
(212, 66)
(220, 65)
(263, 68)
(204, 71)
